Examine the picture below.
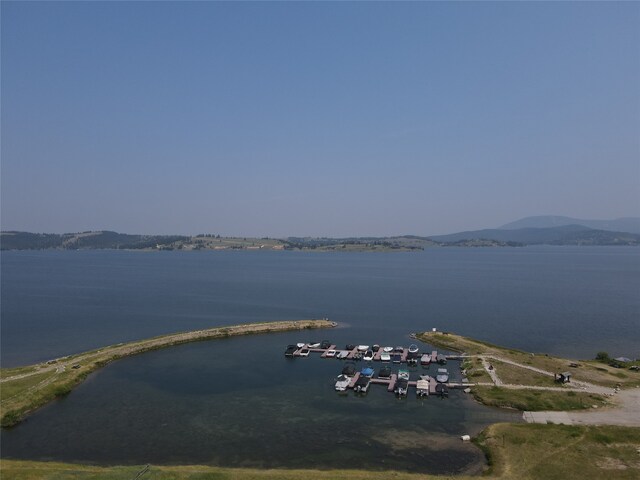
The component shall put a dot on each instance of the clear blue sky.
(336, 119)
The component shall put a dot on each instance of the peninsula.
(24, 389)
(592, 442)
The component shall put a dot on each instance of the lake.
(239, 402)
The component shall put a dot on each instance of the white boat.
(363, 348)
(368, 356)
(330, 353)
(422, 388)
(314, 345)
(425, 359)
(300, 345)
(342, 354)
(342, 383)
(385, 357)
(442, 376)
(387, 349)
(403, 374)
(413, 348)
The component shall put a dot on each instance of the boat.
(368, 356)
(442, 360)
(442, 376)
(385, 357)
(304, 352)
(342, 354)
(401, 387)
(399, 349)
(349, 369)
(314, 345)
(342, 383)
(387, 349)
(300, 345)
(385, 372)
(375, 348)
(363, 348)
(403, 374)
(330, 353)
(325, 344)
(396, 358)
(367, 372)
(413, 348)
(425, 359)
(442, 390)
(349, 346)
(362, 384)
(422, 387)
(289, 351)
(412, 361)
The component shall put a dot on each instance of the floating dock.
(393, 379)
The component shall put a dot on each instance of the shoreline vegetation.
(510, 378)
(108, 240)
(513, 452)
(25, 389)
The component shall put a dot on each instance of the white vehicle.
(368, 356)
(413, 348)
(342, 354)
(387, 349)
(363, 348)
(331, 353)
(300, 345)
(314, 345)
(385, 357)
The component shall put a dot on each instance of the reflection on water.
(240, 402)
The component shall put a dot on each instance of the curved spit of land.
(24, 389)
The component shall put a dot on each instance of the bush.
(603, 357)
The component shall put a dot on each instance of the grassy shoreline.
(21, 394)
(510, 378)
(513, 451)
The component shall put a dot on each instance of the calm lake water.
(239, 402)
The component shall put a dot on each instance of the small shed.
(564, 377)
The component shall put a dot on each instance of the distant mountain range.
(555, 230)
(628, 224)
(547, 230)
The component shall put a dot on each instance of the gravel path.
(626, 413)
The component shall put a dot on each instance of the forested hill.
(84, 240)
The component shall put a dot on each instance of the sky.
(316, 118)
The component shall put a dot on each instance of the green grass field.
(514, 452)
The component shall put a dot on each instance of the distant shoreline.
(100, 240)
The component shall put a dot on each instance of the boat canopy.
(367, 371)
(422, 384)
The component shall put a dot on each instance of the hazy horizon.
(316, 119)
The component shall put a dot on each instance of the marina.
(398, 383)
